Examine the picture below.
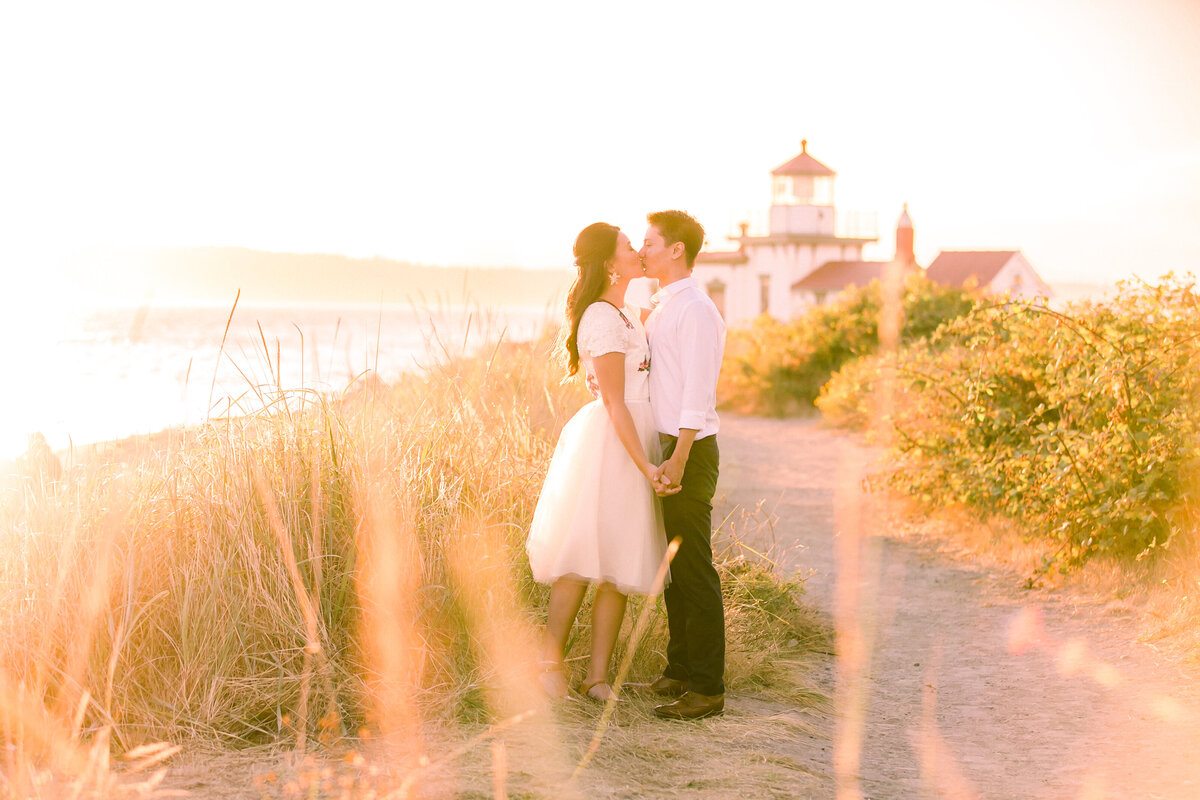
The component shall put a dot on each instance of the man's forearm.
(683, 446)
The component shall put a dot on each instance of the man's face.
(655, 253)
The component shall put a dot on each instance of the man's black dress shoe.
(692, 705)
(663, 687)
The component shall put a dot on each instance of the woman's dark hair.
(594, 246)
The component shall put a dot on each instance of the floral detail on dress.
(645, 365)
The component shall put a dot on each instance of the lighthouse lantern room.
(802, 197)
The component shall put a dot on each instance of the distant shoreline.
(213, 276)
(316, 305)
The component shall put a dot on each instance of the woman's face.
(625, 261)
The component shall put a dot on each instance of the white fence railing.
(847, 224)
(856, 225)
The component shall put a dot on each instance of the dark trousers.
(695, 612)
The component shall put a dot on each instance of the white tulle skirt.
(598, 518)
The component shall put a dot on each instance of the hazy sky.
(490, 133)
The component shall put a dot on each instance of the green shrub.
(1080, 425)
(778, 368)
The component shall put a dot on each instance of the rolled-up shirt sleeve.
(702, 334)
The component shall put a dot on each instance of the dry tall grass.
(323, 567)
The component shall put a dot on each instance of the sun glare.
(302, 531)
(33, 327)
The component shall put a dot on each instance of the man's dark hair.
(679, 226)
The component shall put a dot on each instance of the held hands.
(667, 478)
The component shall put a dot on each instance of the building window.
(803, 190)
(822, 191)
(764, 294)
(783, 190)
(716, 293)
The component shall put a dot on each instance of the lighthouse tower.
(802, 197)
(804, 232)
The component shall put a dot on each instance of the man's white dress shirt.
(687, 342)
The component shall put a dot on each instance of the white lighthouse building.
(811, 253)
(805, 232)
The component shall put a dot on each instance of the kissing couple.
(637, 467)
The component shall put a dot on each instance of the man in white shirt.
(687, 342)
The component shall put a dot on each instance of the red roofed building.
(827, 281)
(811, 253)
(995, 271)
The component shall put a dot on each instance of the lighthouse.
(810, 252)
(805, 230)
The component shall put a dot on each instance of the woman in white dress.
(598, 519)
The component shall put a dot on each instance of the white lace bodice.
(605, 329)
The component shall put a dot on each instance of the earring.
(613, 278)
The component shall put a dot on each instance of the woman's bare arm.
(610, 375)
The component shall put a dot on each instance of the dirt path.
(969, 686)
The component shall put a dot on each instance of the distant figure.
(38, 465)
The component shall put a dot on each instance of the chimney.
(904, 238)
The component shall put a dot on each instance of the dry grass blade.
(388, 587)
(635, 639)
(147, 755)
(283, 537)
(499, 771)
(506, 641)
(224, 336)
(26, 723)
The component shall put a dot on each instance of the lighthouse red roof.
(833, 276)
(803, 164)
(837, 275)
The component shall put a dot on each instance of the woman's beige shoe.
(599, 691)
(553, 680)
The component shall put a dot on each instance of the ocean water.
(88, 375)
(79, 375)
